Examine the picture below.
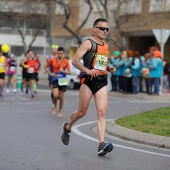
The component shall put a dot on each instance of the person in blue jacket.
(114, 78)
(155, 64)
(135, 71)
(126, 71)
(142, 58)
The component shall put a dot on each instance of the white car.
(73, 80)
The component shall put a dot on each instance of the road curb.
(135, 136)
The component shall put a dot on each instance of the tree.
(68, 15)
(27, 17)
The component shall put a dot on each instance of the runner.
(37, 67)
(54, 48)
(11, 73)
(24, 73)
(2, 72)
(94, 53)
(30, 71)
(60, 67)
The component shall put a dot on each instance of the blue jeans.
(135, 84)
(140, 84)
(156, 84)
(114, 82)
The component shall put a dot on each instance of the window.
(135, 7)
(156, 6)
(131, 7)
(167, 5)
(59, 10)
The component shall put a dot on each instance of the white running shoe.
(14, 90)
(7, 90)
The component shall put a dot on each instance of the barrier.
(19, 81)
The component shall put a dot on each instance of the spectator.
(135, 71)
(155, 65)
(166, 73)
(117, 62)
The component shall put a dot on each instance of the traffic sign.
(161, 35)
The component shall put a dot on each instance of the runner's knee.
(81, 114)
(101, 112)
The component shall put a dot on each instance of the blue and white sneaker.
(65, 136)
(104, 148)
(1, 95)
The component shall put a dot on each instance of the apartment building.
(140, 18)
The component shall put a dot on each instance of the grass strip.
(154, 122)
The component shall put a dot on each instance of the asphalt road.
(30, 136)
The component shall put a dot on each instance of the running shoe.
(65, 135)
(1, 95)
(32, 95)
(7, 90)
(104, 148)
(26, 91)
(14, 90)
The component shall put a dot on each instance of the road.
(30, 136)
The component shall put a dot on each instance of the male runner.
(54, 49)
(37, 68)
(3, 64)
(60, 67)
(30, 70)
(94, 53)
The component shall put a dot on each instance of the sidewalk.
(164, 96)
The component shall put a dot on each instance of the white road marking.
(76, 131)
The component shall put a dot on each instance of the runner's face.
(54, 51)
(98, 30)
(37, 56)
(60, 55)
(30, 54)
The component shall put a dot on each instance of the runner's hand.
(93, 72)
(112, 70)
(61, 70)
(53, 75)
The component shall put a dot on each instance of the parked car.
(73, 80)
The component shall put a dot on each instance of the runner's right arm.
(23, 63)
(85, 47)
(47, 70)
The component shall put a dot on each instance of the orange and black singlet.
(96, 57)
(31, 64)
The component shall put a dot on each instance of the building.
(139, 18)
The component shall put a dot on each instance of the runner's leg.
(85, 95)
(100, 98)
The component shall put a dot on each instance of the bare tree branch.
(68, 14)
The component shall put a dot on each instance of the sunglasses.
(103, 28)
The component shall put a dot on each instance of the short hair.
(29, 51)
(99, 20)
(60, 49)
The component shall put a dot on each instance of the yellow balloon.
(5, 48)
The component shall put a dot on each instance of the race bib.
(31, 70)
(100, 62)
(1, 65)
(12, 68)
(62, 81)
